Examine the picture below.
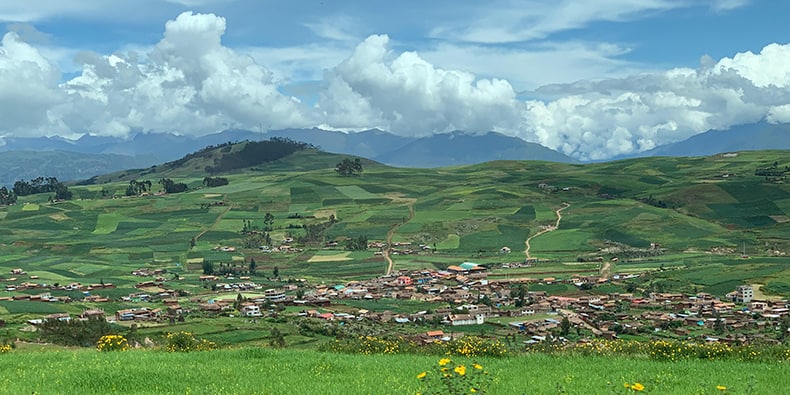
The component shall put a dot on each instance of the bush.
(665, 350)
(473, 346)
(75, 332)
(186, 342)
(112, 343)
(467, 346)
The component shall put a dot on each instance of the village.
(465, 295)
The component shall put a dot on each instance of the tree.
(7, 197)
(348, 167)
(565, 326)
(63, 193)
(622, 306)
(42, 185)
(239, 301)
(719, 326)
(171, 186)
(784, 327)
(255, 240)
(268, 221)
(276, 272)
(82, 333)
(276, 339)
(208, 268)
(137, 188)
(519, 295)
(253, 265)
(358, 244)
(215, 181)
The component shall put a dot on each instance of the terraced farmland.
(684, 205)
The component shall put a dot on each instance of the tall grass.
(264, 371)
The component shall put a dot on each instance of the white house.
(274, 295)
(251, 310)
(466, 319)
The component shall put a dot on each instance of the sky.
(594, 79)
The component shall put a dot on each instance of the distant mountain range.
(440, 150)
(21, 157)
(751, 137)
(63, 165)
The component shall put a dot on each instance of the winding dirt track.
(228, 207)
(606, 270)
(547, 229)
(391, 232)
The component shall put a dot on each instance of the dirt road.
(391, 232)
(546, 229)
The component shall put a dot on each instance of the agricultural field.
(661, 224)
(654, 214)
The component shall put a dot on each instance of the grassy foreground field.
(264, 371)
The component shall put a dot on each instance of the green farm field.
(469, 213)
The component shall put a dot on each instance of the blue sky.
(593, 79)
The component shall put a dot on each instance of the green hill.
(650, 212)
(683, 204)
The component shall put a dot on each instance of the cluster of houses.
(605, 316)
(476, 300)
(740, 317)
(250, 307)
(46, 295)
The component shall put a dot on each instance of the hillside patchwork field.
(384, 258)
(692, 211)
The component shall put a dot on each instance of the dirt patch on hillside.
(399, 198)
(329, 258)
(325, 213)
(759, 295)
(58, 217)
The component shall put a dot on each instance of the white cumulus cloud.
(598, 120)
(28, 87)
(189, 83)
(408, 95)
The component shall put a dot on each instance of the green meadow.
(266, 371)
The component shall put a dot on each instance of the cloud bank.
(191, 83)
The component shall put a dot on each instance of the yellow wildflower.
(421, 375)
(444, 361)
(637, 387)
(460, 369)
(721, 388)
(478, 366)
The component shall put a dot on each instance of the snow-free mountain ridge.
(439, 150)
